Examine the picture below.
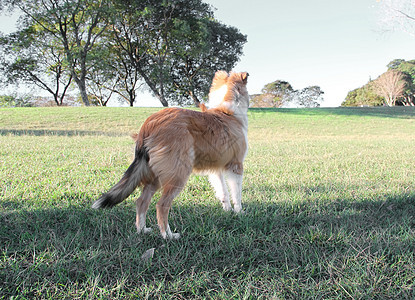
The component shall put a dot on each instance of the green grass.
(329, 200)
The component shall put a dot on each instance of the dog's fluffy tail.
(137, 173)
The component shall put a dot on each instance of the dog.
(175, 142)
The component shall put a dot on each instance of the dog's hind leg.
(142, 204)
(217, 180)
(234, 176)
(170, 191)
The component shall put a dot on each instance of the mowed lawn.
(328, 195)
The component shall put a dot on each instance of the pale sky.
(337, 45)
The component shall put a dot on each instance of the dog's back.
(203, 141)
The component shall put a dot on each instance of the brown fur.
(174, 142)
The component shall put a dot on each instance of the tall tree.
(127, 41)
(391, 86)
(281, 94)
(75, 25)
(175, 46)
(274, 94)
(203, 47)
(165, 24)
(309, 97)
(407, 68)
(30, 58)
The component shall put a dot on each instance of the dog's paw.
(145, 230)
(170, 236)
(238, 210)
(175, 236)
(227, 207)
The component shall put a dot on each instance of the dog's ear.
(244, 77)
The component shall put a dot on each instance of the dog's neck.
(235, 105)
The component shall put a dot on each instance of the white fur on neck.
(216, 97)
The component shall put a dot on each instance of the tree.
(407, 68)
(274, 94)
(364, 96)
(309, 97)
(391, 86)
(204, 47)
(398, 14)
(146, 35)
(373, 93)
(31, 59)
(74, 25)
(175, 46)
(127, 46)
(280, 93)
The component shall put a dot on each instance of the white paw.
(170, 236)
(238, 210)
(147, 230)
(144, 230)
(175, 236)
(227, 207)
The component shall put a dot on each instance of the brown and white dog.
(174, 142)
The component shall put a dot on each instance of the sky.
(337, 45)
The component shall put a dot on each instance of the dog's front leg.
(234, 175)
(217, 180)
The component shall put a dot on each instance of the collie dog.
(174, 142)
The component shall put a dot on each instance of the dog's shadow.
(75, 244)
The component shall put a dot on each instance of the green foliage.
(68, 30)
(368, 95)
(309, 97)
(364, 96)
(407, 68)
(328, 196)
(274, 94)
(176, 47)
(31, 57)
(111, 46)
(280, 93)
(14, 101)
(197, 59)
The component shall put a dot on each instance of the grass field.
(329, 200)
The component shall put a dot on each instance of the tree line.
(394, 87)
(280, 93)
(107, 47)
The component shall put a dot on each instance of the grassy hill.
(329, 200)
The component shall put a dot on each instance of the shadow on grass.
(47, 132)
(382, 112)
(339, 248)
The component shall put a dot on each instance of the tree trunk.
(131, 93)
(154, 89)
(162, 100)
(82, 89)
(194, 98)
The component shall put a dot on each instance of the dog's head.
(228, 92)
